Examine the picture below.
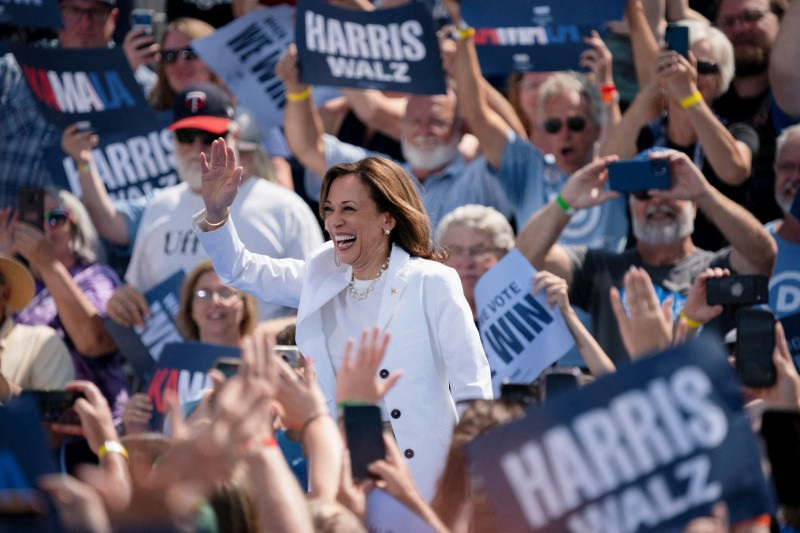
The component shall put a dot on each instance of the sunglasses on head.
(55, 218)
(171, 56)
(188, 135)
(553, 125)
(705, 68)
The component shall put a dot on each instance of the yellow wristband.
(462, 34)
(83, 168)
(692, 100)
(689, 322)
(111, 446)
(299, 97)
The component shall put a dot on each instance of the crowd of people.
(419, 196)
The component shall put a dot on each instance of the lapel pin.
(394, 291)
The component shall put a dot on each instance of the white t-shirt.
(271, 220)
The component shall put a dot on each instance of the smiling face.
(430, 137)
(356, 226)
(661, 221)
(787, 173)
(471, 253)
(572, 149)
(182, 72)
(709, 85)
(217, 317)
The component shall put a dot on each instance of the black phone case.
(31, 206)
(738, 290)
(364, 430)
(755, 341)
(677, 39)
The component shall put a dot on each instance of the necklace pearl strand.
(362, 295)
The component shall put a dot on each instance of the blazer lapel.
(395, 286)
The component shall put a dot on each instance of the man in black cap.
(275, 221)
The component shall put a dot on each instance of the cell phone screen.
(755, 341)
(364, 430)
(55, 406)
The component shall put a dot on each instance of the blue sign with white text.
(644, 449)
(31, 13)
(388, 49)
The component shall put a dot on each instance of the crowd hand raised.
(78, 144)
(127, 307)
(784, 395)
(32, 244)
(137, 414)
(288, 70)
(688, 182)
(300, 397)
(648, 327)
(598, 59)
(97, 425)
(394, 474)
(140, 48)
(696, 307)
(221, 179)
(453, 8)
(357, 379)
(555, 288)
(676, 73)
(585, 187)
(351, 494)
(79, 504)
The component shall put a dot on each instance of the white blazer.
(434, 340)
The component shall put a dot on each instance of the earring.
(386, 231)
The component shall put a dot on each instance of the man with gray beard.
(663, 222)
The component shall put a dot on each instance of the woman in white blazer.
(378, 269)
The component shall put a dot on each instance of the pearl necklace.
(362, 295)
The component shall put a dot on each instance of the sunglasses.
(641, 195)
(188, 135)
(171, 56)
(706, 68)
(553, 125)
(55, 218)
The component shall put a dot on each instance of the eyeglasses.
(74, 14)
(553, 125)
(188, 135)
(171, 56)
(55, 218)
(706, 68)
(224, 294)
(787, 167)
(480, 254)
(745, 17)
(433, 124)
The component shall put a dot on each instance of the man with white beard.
(274, 220)
(430, 137)
(663, 221)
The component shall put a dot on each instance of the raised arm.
(301, 122)
(621, 140)
(377, 111)
(644, 43)
(784, 74)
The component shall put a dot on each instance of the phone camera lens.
(737, 289)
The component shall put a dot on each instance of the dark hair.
(393, 192)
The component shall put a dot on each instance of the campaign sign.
(644, 449)
(30, 13)
(131, 164)
(183, 367)
(528, 36)
(94, 84)
(244, 53)
(24, 456)
(521, 334)
(143, 346)
(389, 49)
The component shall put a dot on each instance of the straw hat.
(20, 280)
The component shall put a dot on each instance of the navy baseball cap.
(202, 106)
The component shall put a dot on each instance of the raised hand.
(127, 307)
(585, 187)
(78, 144)
(688, 182)
(555, 288)
(288, 70)
(696, 307)
(357, 380)
(220, 181)
(598, 59)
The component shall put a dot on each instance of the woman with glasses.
(73, 285)
(685, 88)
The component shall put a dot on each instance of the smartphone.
(558, 381)
(524, 393)
(738, 290)
(83, 126)
(635, 175)
(229, 366)
(288, 353)
(677, 38)
(31, 206)
(56, 405)
(142, 19)
(755, 341)
(364, 431)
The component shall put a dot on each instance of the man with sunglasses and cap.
(275, 221)
(31, 357)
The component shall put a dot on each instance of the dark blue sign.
(791, 329)
(389, 49)
(528, 36)
(644, 449)
(96, 84)
(31, 13)
(183, 367)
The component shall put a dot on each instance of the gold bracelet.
(694, 324)
(692, 100)
(299, 97)
(215, 225)
(112, 446)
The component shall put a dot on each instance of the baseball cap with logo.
(202, 106)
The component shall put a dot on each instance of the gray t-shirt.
(595, 271)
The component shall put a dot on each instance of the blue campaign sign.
(95, 85)
(389, 49)
(528, 36)
(644, 449)
(183, 367)
(31, 13)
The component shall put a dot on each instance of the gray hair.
(85, 243)
(479, 218)
(569, 80)
(721, 48)
(791, 131)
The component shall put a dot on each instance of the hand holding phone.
(290, 354)
(364, 431)
(229, 366)
(56, 406)
(639, 176)
(738, 290)
(677, 38)
(31, 206)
